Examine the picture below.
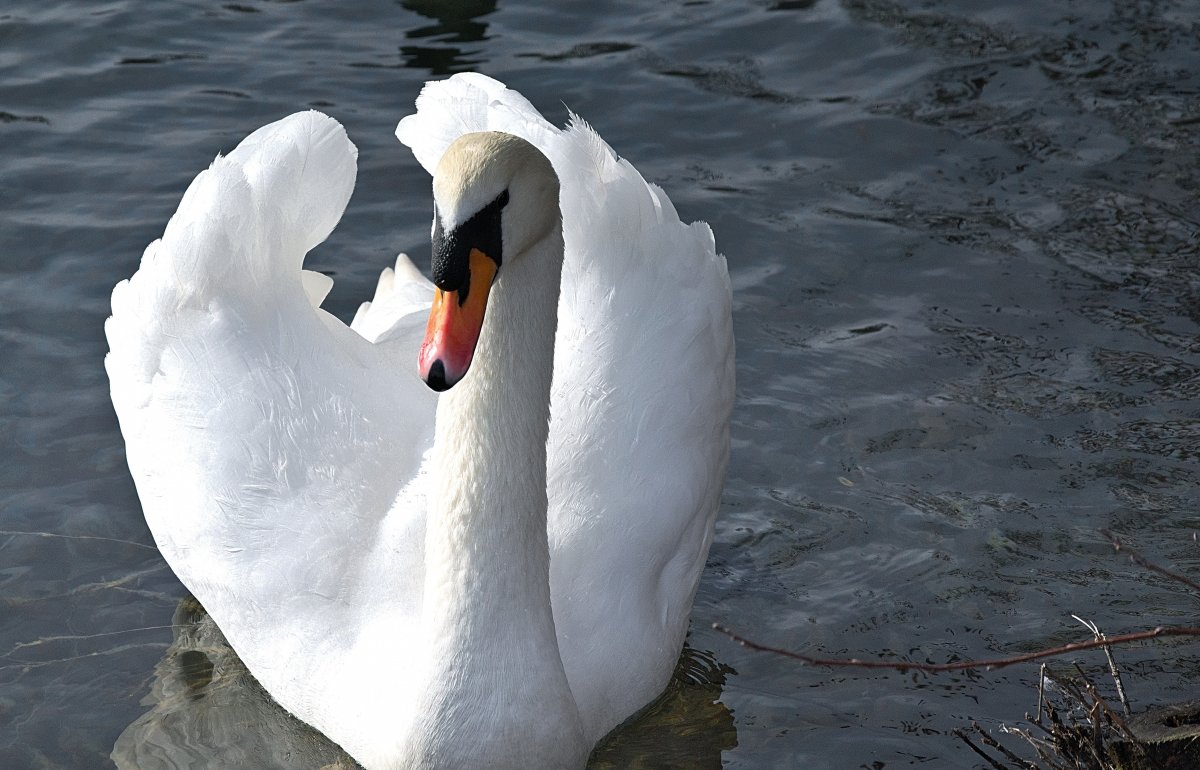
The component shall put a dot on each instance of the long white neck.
(495, 673)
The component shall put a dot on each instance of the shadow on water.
(456, 22)
(208, 711)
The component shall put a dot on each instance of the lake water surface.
(964, 246)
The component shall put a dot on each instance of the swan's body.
(286, 463)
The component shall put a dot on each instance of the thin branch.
(1038, 724)
(995, 745)
(24, 533)
(1041, 692)
(1045, 750)
(1113, 717)
(962, 736)
(1113, 671)
(933, 668)
(1142, 561)
(77, 638)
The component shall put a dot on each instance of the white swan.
(497, 587)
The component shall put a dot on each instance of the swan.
(467, 529)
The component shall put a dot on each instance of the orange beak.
(455, 321)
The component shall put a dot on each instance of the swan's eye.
(452, 250)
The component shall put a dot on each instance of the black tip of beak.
(436, 379)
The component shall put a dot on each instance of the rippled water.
(963, 239)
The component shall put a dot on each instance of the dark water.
(963, 239)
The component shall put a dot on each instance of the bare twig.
(1116, 675)
(1093, 715)
(1045, 750)
(1099, 640)
(1142, 561)
(995, 745)
(962, 736)
(933, 668)
(23, 533)
(1113, 717)
(1112, 663)
(1041, 691)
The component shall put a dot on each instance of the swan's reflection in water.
(687, 728)
(209, 712)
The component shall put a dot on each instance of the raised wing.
(643, 388)
(277, 453)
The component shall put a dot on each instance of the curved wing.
(643, 389)
(400, 305)
(276, 452)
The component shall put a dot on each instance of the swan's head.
(494, 195)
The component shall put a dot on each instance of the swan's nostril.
(436, 379)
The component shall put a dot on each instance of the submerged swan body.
(493, 577)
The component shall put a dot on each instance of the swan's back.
(643, 388)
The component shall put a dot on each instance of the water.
(963, 239)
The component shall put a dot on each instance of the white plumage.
(284, 461)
